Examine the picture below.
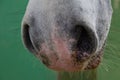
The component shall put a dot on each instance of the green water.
(16, 63)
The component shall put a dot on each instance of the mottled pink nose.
(67, 34)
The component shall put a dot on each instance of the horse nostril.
(26, 38)
(86, 39)
(86, 42)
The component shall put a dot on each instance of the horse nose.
(87, 39)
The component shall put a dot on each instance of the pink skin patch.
(60, 58)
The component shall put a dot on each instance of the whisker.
(111, 57)
(105, 67)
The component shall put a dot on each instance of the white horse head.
(67, 35)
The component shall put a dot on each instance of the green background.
(16, 63)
